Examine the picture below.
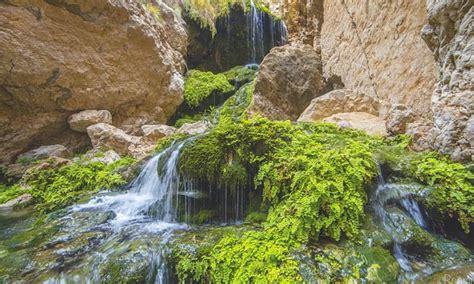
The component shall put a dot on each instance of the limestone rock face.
(371, 124)
(450, 35)
(45, 152)
(61, 57)
(80, 121)
(155, 132)
(107, 137)
(339, 101)
(289, 78)
(374, 47)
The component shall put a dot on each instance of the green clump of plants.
(55, 188)
(240, 74)
(8, 193)
(453, 192)
(200, 85)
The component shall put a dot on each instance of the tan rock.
(339, 101)
(398, 118)
(450, 35)
(360, 120)
(194, 128)
(156, 132)
(61, 57)
(80, 121)
(288, 79)
(375, 47)
(107, 157)
(105, 136)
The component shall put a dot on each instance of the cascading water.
(258, 26)
(400, 215)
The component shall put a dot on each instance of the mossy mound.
(200, 85)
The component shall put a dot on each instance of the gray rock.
(80, 121)
(194, 128)
(44, 152)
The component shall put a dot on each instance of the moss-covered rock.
(199, 86)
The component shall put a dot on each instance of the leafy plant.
(200, 85)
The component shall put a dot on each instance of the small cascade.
(261, 29)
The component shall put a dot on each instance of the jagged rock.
(80, 121)
(375, 48)
(155, 132)
(339, 101)
(61, 57)
(44, 152)
(194, 128)
(106, 136)
(289, 78)
(398, 118)
(19, 202)
(421, 133)
(372, 124)
(450, 35)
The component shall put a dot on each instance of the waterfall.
(260, 27)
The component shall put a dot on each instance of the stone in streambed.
(156, 132)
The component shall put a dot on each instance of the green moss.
(453, 192)
(8, 193)
(201, 85)
(166, 142)
(203, 216)
(54, 188)
(382, 266)
(256, 217)
(240, 74)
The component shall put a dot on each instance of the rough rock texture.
(61, 57)
(371, 124)
(155, 132)
(194, 128)
(108, 157)
(80, 121)
(19, 202)
(289, 78)
(107, 137)
(398, 118)
(45, 152)
(374, 47)
(450, 35)
(339, 101)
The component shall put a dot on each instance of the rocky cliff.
(413, 53)
(59, 57)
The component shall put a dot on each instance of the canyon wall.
(414, 53)
(59, 57)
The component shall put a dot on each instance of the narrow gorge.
(226, 141)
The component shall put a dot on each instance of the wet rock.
(19, 202)
(44, 152)
(463, 274)
(194, 128)
(339, 101)
(289, 78)
(398, 118)
(80, 121)
(62, 57)
(156, 132)
(359, 120)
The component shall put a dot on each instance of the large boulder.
(107, 137)
(61, 57)
(339, 101)
(80, 121)
(450, 35)
(367, 122)
(398, 119)
(289, 78)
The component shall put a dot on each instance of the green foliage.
(256, 217)
(234, 109)
(54, 188)
(8, 193)
(240, 74)
(453, 192)
(166, 142)
(200, 85)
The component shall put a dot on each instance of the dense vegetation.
(55, 185)
(200, 85)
